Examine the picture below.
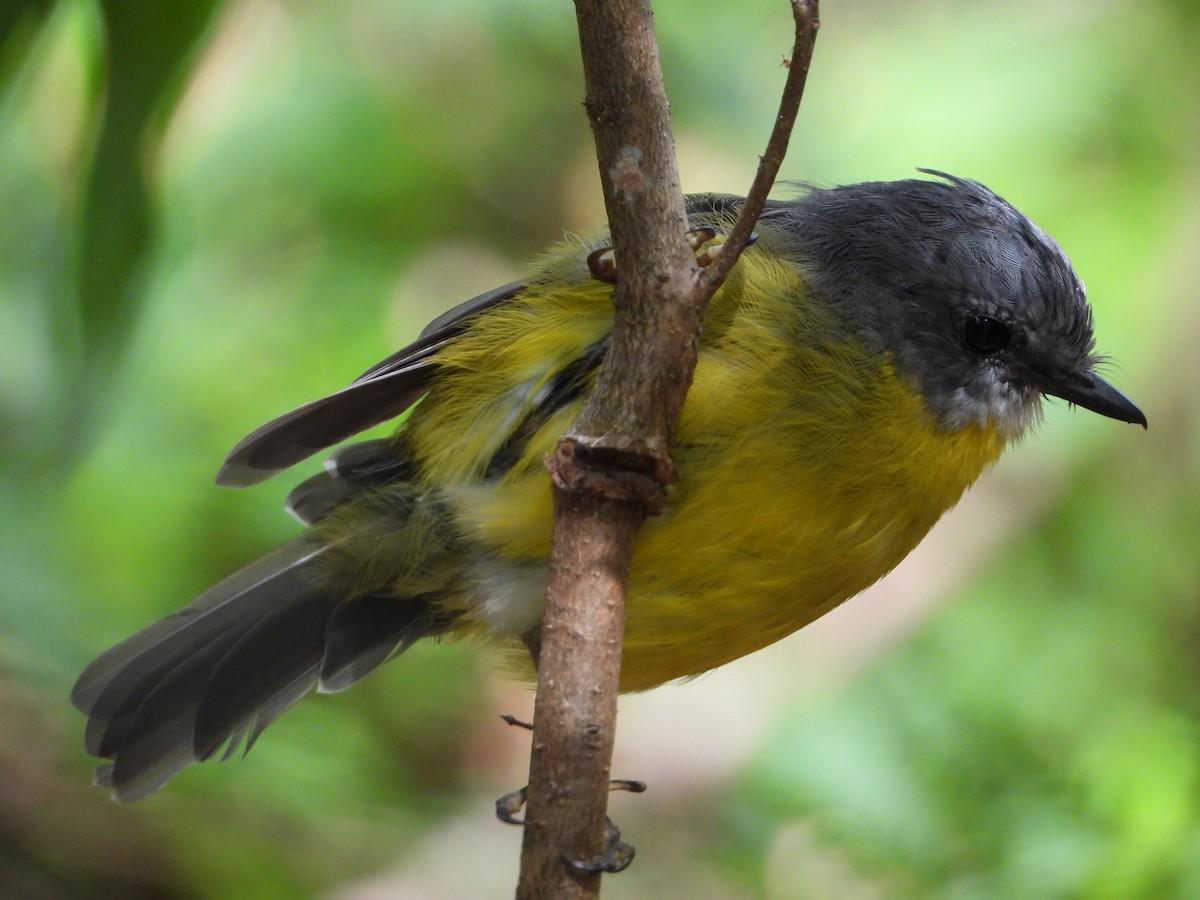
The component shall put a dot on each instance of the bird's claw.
(700, 236)
(615, 857)
(602, 263)
(510, 804)
(627, 784)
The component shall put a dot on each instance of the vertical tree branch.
(597, 513)
(610, 470)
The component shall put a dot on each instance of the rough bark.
(611, 468)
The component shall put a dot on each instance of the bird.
(871, 354)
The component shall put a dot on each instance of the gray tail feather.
(349, 470)
(219, 671)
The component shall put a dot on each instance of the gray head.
(973, 301)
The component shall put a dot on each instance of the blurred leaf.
(150, 47)
(19, 23)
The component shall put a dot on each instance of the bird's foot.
(602, 262)
(616, 855)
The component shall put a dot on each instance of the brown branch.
(610, 469)
(807, 16)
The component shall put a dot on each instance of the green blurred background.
(213, 211)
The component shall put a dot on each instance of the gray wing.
(381, 393)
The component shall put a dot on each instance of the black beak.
(1094, 393)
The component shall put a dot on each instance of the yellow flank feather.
(808, 467)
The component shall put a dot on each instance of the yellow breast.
(787, 520)
(808, 467)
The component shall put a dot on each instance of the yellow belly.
(763, 532)
(773, 536)
(808, 469)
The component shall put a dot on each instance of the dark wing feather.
(151, 740)
(364, 632)
(223, 668)
(389, 387)
(381, 393)
(142, 696)
(348, 470)
(268, 668)
(99, 691)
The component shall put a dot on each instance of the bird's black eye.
(986, 335)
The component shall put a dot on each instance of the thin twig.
(807, 16)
